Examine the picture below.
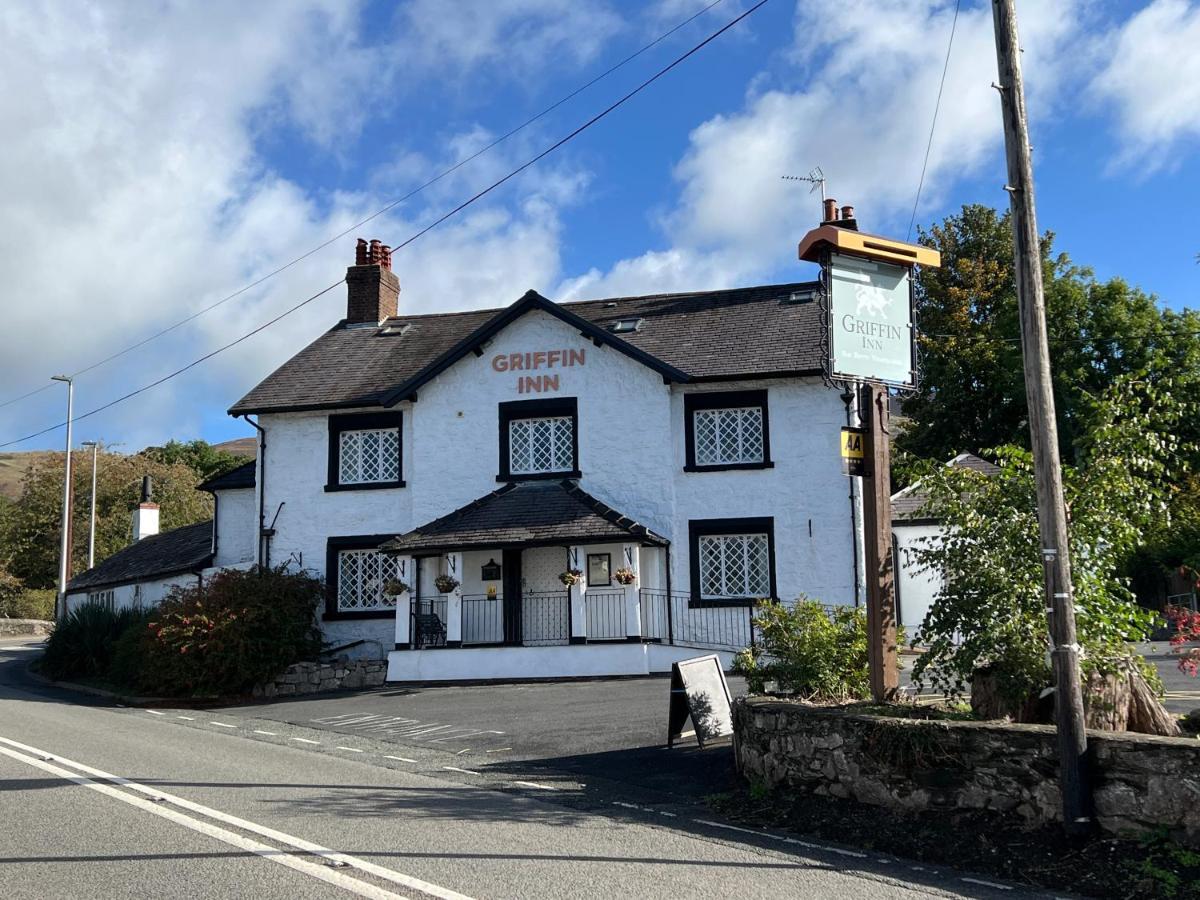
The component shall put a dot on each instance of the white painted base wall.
(571, 661)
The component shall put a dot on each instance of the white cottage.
(678, 452)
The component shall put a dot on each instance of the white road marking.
(787, 840)
(461, 752)
(350, 749)
(534, 784)
(187, 718)
(155, 712)
(991, 884)
(222, 725)
(501, 750)
(305, 740)
(260, 731)
(400, 758)
(330, 856)
(266, 851)
(457, 769)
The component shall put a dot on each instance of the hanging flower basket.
(394, 587)
(625, 575)
(571, 577)
(445, 583)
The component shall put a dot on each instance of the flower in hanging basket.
(571, 577)
(445, 583)
(393, 587)
(491, 592)
(625, 575)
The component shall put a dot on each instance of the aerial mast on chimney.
(816, 178)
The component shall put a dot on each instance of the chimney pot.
(831, 211)
(372, 288)
(847, 212)
(360, 253)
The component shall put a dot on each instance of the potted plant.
(491, 592)
(394, 587)
(625, 575)
(445, 583)
(571, 577)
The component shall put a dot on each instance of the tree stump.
(1123, 701)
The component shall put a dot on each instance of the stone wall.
(315, 677)
(1140, 782)
(12, 627)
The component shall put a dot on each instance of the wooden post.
(1035, 352)
(877, 522)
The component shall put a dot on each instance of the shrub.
(814, 653)
(81, 645)
(10, 589)
(233, 631)
(30, 603)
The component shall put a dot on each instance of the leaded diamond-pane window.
(541, 445)
(729, 436)
(734, 566)
(369, 455)
(362, 575)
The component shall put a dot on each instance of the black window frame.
(364, 422)
(695, 402)
(512, 410)
(698, 528)
(588, 570)
(334, 546)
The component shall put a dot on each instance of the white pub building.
(545, 489)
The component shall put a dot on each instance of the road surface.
(102, 801)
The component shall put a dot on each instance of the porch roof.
(526, 514)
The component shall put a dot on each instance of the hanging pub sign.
(868, 302)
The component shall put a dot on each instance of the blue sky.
(160, 156)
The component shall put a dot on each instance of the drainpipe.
(262, 487)
(848, 399)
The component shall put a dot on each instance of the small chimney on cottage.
(145, 517)
(372, 288)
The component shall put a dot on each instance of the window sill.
(331, 616)
(712, 603)
(365, 486)
(730, 467)
(538, 476)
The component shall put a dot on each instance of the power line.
(932, 125)
(586, 125)
(387, 208)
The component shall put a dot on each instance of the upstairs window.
(733, 560)
(539, 439)
(727, 430)
(365, 451)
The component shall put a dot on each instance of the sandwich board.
(699, 690)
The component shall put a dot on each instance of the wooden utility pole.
(1052, 515)
(877, 523)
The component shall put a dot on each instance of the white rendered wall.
(631, 454)
(236, 522)
(916, 589)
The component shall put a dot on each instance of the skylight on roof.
(397, 329)
(626, 326)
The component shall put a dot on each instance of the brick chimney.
(372, 287)
(145, 517)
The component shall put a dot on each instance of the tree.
(29, 533)
(989, 616)
(201, 456)
(972, 393)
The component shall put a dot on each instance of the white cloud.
(1152, 80)
(868, 79)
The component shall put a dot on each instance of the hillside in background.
(13, 466)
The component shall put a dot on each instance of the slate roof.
(241, 477)
(169, 553)
(709, 335)
(907, 504)
(526, 514)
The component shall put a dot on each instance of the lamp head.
(66, 378)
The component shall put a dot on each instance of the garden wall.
(13, 627)
(1141, 782)
(315, 677)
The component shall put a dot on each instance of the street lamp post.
(64, 545)
(95, 445)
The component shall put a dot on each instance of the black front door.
(512, 596)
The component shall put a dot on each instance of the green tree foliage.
(11, 589)
(29, 532)
(990, 613)
(814, 653)
(201, 456)
(972, 394)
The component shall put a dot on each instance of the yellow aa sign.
(853, 458)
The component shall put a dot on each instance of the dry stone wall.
(1140, 782)
(316, 677)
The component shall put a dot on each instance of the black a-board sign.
(699, 690)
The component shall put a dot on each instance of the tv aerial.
(816, 178)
